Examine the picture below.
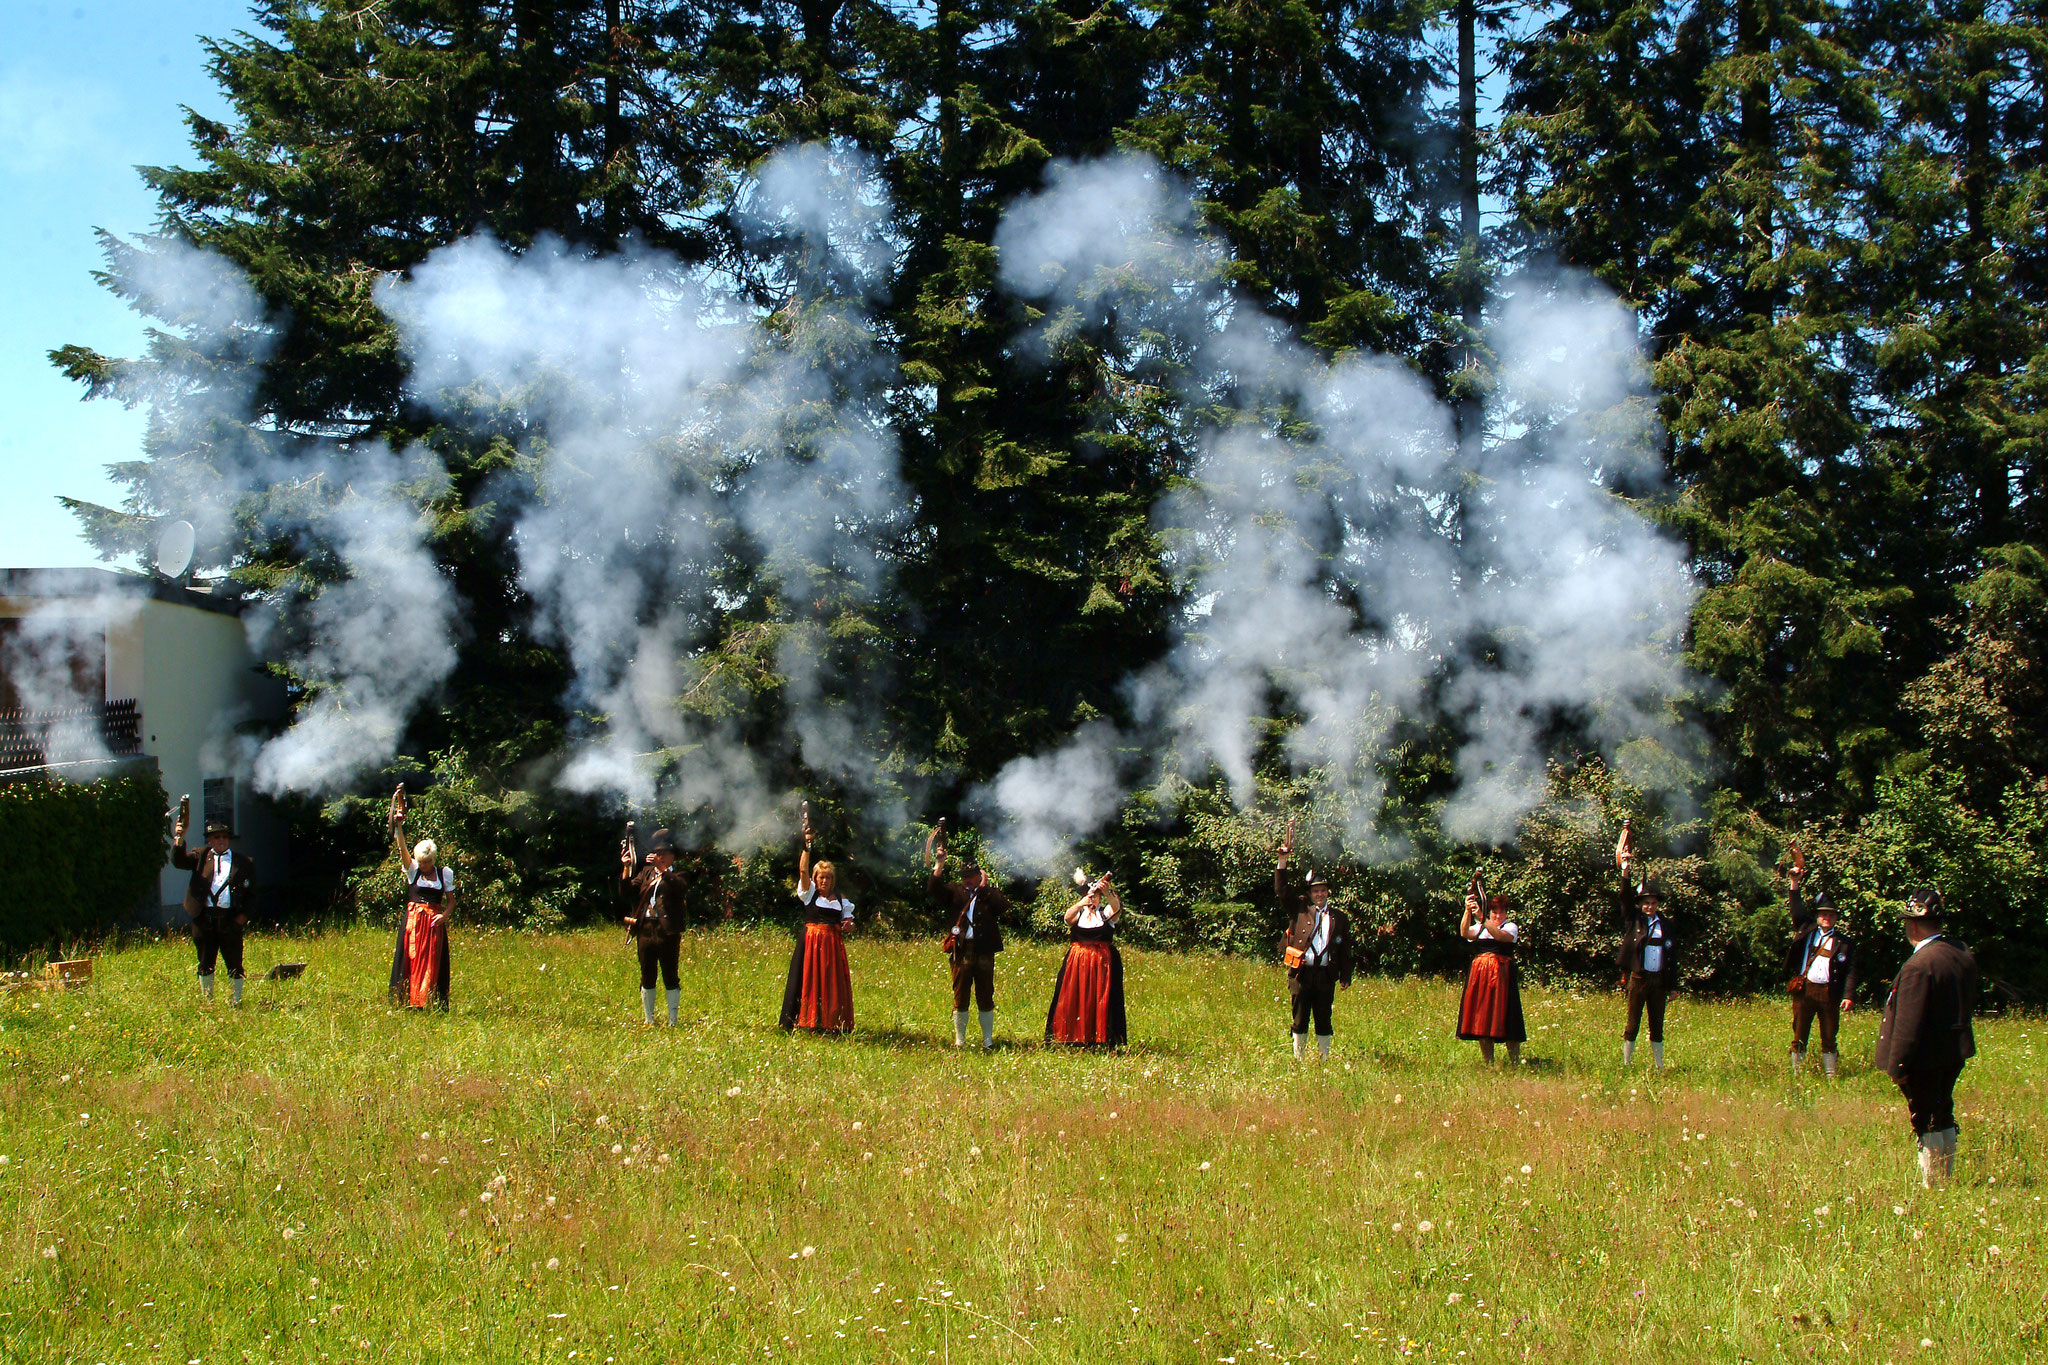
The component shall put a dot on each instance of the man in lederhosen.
(972, 907)
(1316, 949)
(653, 894)
(217, 899)
(1820, 966)
(1645, 955)
(1926, 1036)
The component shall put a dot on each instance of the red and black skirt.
(819, 992)
(1491, 1008)
(1088, 996)
(419, 964)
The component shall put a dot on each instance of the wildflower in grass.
(1205, 1165)
(1525, 1170)
(288, 1234)
(1397, 1227)
(810, 1252)
(733, 1093)
(1454, 1297)
(49, 1253)
(1425, 1226)
(554, 1263)
(616, 1149)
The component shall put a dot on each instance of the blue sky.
(88, 91)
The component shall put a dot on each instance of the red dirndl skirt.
(1491, 1010)
(826, 999)
(423, 944)
(1088, 999)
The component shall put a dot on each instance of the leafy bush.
(92, 852)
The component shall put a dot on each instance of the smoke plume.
(1339, 549)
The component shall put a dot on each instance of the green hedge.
(84, 856)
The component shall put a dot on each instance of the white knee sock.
(206, 986)
(1628, 1051)
(647, 1003)
(1322, 1044)
(1830, 1064)
(1798, 1062)
(1657, 1054)
(988, 1029)
(234, 990)
(1300, 1045)
(959, 1028)
(675, 1000)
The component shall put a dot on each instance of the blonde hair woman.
(419, 965)
(819, 992)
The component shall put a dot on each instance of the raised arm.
(1113, 904)
(1475, 896)
(397, 824)
(1283, 893)
(1073, 913)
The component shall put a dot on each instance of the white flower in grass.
(616, 1149)
(1425, 1226)
(554, 1263)
(1525, 1170)
(485, 1197)
(1397, 1227)
(1205, 1165)
(604, 1120)
(1454, 1297)
(1123, 1237)
(974, 1151)
(49, 1253)
(810, 1252)
(1899, 1210)
(288, 1235)
(733, 1093)
(1994, 1251)
(1823, 1211)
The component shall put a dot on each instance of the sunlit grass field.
(538, 1176)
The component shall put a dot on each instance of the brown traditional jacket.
(1636, 937)
(663, 920)
(989, 909)
(1927, 1015)
(1301, 925)
(199, 889)
(1799, 953)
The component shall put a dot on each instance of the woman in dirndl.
(1491, 1009)
(1088, 995)
(419, 965)
(819, 993)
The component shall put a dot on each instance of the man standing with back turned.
(1926, 1036)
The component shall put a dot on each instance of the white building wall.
(192, 672)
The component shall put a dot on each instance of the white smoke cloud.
(677, 433)
(54, 659)
(1349, 558)
(375, 645)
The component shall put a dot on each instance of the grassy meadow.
(537, 1176)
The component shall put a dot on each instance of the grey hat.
(661, 842)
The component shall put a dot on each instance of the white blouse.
(840, 903)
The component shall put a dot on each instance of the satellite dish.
(174, 545)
